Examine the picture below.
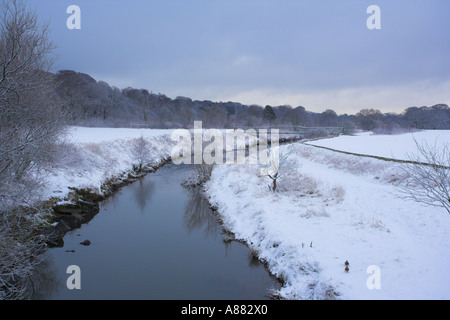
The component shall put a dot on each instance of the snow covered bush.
(338, 193)
(294, 181)
(141, 152)
(277, 166)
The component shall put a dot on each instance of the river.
(155, 240)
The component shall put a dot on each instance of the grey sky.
(314, 53)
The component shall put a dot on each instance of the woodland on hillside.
(96, 103)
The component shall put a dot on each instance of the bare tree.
(141, 152)
(428, 175)
(21, 252)
(31, 122)
(274, 169)
(31, 118)
(24, 49)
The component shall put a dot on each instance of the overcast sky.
(314, 53)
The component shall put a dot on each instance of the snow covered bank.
(94, 155)
(330, 208)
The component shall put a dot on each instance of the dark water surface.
(155, 240)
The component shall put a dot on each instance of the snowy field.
(396, 146)
(99, 135)
(93, 155)
(331, 208)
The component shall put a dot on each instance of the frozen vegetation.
(91, 156)
(330, 208)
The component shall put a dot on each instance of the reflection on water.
(44, 280)
(143, 192)
(198, 215)
(155, 240)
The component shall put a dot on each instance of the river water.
(155, 240)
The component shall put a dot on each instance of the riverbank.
(330, 208)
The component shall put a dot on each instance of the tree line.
(95, 103)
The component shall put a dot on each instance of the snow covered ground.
(331, 208)
(99, 135)
(93, 155)
(396, 146)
